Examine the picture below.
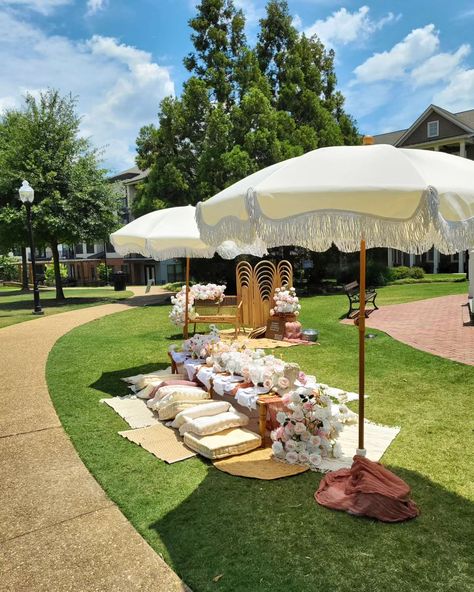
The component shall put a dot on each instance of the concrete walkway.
(58, 529)
(440, 326)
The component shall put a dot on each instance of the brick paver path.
(440, 326)
(58, 530)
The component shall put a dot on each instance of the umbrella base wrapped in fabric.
(367, 489)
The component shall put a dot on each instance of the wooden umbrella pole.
(186, 310)
(363, 260)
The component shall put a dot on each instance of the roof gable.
(449, 126)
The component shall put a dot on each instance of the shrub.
(403, 272)
(398, 273)
(104, 272)
(49, 278)
(9, 269)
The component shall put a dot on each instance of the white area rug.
(377, 439)
(133, 410)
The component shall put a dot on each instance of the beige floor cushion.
(211, 408)
(226, 443)
(171, 410)
(177, 393)
(215, 423)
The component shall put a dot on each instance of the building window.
(175, 272)
(79, 249)
(90, 248)
(433, 129)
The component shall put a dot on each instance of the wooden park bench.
(353, 293)
(226, 312)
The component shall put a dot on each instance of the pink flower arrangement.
(286, 302)
(308, 431)
(196, 292)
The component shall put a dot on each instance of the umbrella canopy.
(401, 198)
(173, 232)
(354, 197)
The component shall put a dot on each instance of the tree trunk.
(25, 287)
(57, 273)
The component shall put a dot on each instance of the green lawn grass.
(272, 536)
(17, 306)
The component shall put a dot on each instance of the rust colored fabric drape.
(367, 489)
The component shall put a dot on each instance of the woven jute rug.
(164, 443)
(258, 464)
(133, 410)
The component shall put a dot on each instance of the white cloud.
(45, 7)
(459, 92)
(344, 27)
(439, 67)
(297, 22)
(119, 86)
(94, 6)
(416, 47)
(251, 11)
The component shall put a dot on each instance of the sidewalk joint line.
(31, 431)
(41, 528)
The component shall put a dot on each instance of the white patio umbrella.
(356, 197)
(173, 232)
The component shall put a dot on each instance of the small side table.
(263, 402)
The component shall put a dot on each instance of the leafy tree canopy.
(73, 200)
(243, 108)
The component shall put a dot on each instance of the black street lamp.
(27, 196)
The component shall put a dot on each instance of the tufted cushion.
(163, 377)
(150, 391)
(223, 444)
(215, 423)
(212, 408)
(184, 394)
(171, 410)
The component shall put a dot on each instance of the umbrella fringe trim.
(318, 230)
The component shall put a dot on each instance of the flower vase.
(293, 329)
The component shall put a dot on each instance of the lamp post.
(27, 196)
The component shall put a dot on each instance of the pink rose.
(307, 406)
(283, 382)
(267, 384)
(300, 428)
(286, 398)
(290, 429)
(278, 433)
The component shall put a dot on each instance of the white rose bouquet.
(196, 292)
(308, 431)
(286, 302)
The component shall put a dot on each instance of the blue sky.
(121, 57)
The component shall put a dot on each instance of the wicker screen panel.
(265, 278)
(284, 274)
(244, 273)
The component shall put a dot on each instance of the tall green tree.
(73, 200)
(242, 109)
(219, 41)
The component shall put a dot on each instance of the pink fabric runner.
(367, 489)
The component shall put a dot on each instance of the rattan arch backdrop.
(256, 287)
(244, 281)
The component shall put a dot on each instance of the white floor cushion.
(211, 408)
(171, 410)
(226, 443)
(215, 423)
(168, 394)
